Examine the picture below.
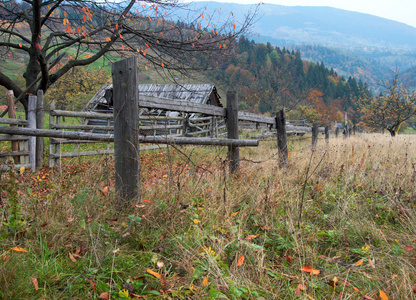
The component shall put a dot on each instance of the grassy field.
(338, 223)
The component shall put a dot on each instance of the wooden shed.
(197, 93)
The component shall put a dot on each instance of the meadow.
(337, 223)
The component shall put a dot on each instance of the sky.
(398, 10)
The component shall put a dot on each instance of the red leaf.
(240, 260)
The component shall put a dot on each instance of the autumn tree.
(69, 34)
(73, 90)
(390, 109)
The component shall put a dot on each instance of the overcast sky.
(399, 10)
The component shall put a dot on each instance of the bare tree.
(55, 36)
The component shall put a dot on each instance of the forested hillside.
(269, 78)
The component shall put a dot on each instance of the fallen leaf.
(240, 260)
(104, 191)
(35, 283)
(196, 221)
(251, 237)
(205, 281)
(334, 282)
(93, 285)
(309, 297)
(359, 263)
(18, 249)
(160, 264)
(234, 214)
(414, 289)
(147, 200)
(383, 295)
(311, 270)
(71, 257)
(299, 288)
(104, 296)
(163, 283)
(409, 248)
(288, 258)
(22, 169)
(370, 262)
(156, 274)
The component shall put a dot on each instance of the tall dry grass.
(346, 209)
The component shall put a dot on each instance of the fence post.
(185, 124)
(327, 133)
(12, 115)
(51, 145)
(336, 130)
(126, 130)
(40, 142)
(31, 118)
(282, 137)
(232, 130)
(314, 135)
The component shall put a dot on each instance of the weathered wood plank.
(110, 137)
(232, 130)
(126, 129)
(17, 122)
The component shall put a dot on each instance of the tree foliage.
(73, 33)
(390, 109)
(269, 78)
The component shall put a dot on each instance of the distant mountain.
(354, 44)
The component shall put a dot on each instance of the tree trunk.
(392, 132)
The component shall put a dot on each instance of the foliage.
(73, 90)
(269, 78)
(390, 109)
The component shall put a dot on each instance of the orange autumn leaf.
(359, 263)
(18, 249)
(71, 257)
(147, 200)
(234, 214)
(162, 64)
(251, 236)
(35, 283)
(311, 270)
(108, 39)
(383, 295)
(240, 260)
(156, 274)
(104, 191)
(205, 281)
(20, 45)
(104, 296)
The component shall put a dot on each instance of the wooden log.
(12, 115)
(327, 133)
(77, 135)
(282, 138)
(16, 122)
(232, 130)
(315, 131)
(40, 142)
(126, 130)
(31, 118)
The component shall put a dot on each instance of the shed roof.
(197, 93)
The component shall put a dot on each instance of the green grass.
(357, 225)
